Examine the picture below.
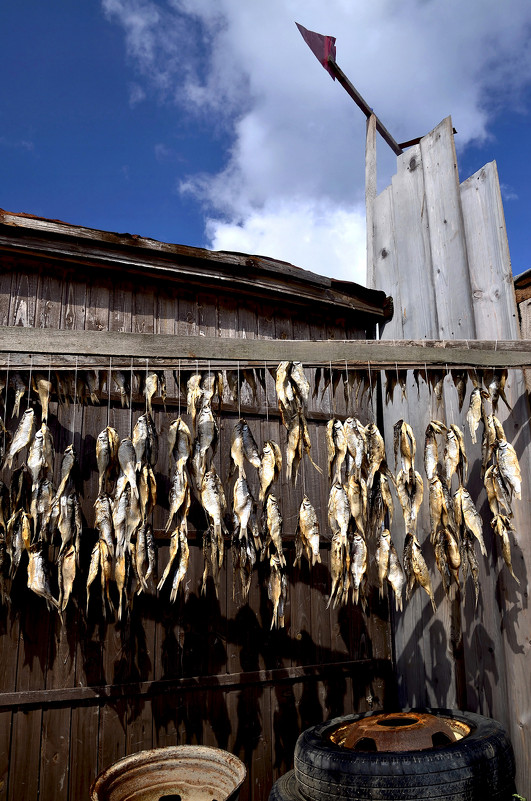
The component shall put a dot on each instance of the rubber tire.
(286, 789)
(480, 767)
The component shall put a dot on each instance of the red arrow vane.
(323, 47)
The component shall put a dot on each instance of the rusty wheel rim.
(400, 731)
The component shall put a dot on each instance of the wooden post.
(370, 194)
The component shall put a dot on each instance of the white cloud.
(326, 240)
(297, 156)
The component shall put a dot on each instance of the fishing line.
(7, 384)
(347, 394)
(5, 404)
(145, 386)
(179, 387)
(265, 394)
(370, 381)
(109, 392)
(75, 404)
(332, 409)
(238, 393)
(29, 380)
(131, 398)
(50, 376)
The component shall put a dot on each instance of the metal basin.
(177, 773)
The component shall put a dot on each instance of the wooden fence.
(440, 250)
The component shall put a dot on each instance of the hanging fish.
(179, 442)
(454, 458)
(356, 439)
(488, 442)
(243, 446)
(127, 462)
(307, 534)
(358, 565)
(502, 525)
(376, 452)
(466, 513)
(107, 444)
(270, 467)
(508, 466)
(23, 436)
(405, 446)
(18, 383)
(38, 575)
(410, 491)
(357, 497)
(416, 569)
(395, 576)
(214, 504)
(475, 411)
(43, 386)
(273, 529)
(68, 472)
(460, 378)
(122, 379)
(431, 454)
(337, 448)
(338, 520)
(277, 588)
(495, 381)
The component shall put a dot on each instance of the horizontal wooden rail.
(40, 346)
(222, 681)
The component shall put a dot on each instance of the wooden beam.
(35, 346)
(222, 681)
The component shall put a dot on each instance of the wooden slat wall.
(55, 736)
(441, 251)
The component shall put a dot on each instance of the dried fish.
(273, 529)
(502, 525)
(338, 519)
(460, 378)
(38, 575)
(475, 411)
(357, 497)
(404, 445)
(214, 504)
(395, 576)
(243, 446)
(122, 379)
(337, 448)
(358, 565)
(466, 513)
(179, 442)
(270, 467)
(416, 569)
(277, 588)
(307, 534)
(508, 466)
(107, 443)
(23, 436)
(495, 381)
(43, 386)
(410, 492)
(19, 384)
(356, 439)
(127, 462)
(376, 451)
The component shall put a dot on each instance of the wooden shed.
(80, 690)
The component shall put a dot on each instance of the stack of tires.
(478, 767)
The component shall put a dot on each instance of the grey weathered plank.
(496, 315)
(407, 353)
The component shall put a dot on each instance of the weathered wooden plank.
(450, 279)
(488, 353)
(502, 630)
(56, 734)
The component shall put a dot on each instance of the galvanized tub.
(176, 773)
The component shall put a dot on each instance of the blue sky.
(210, 123)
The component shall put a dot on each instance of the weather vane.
(324, 49)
